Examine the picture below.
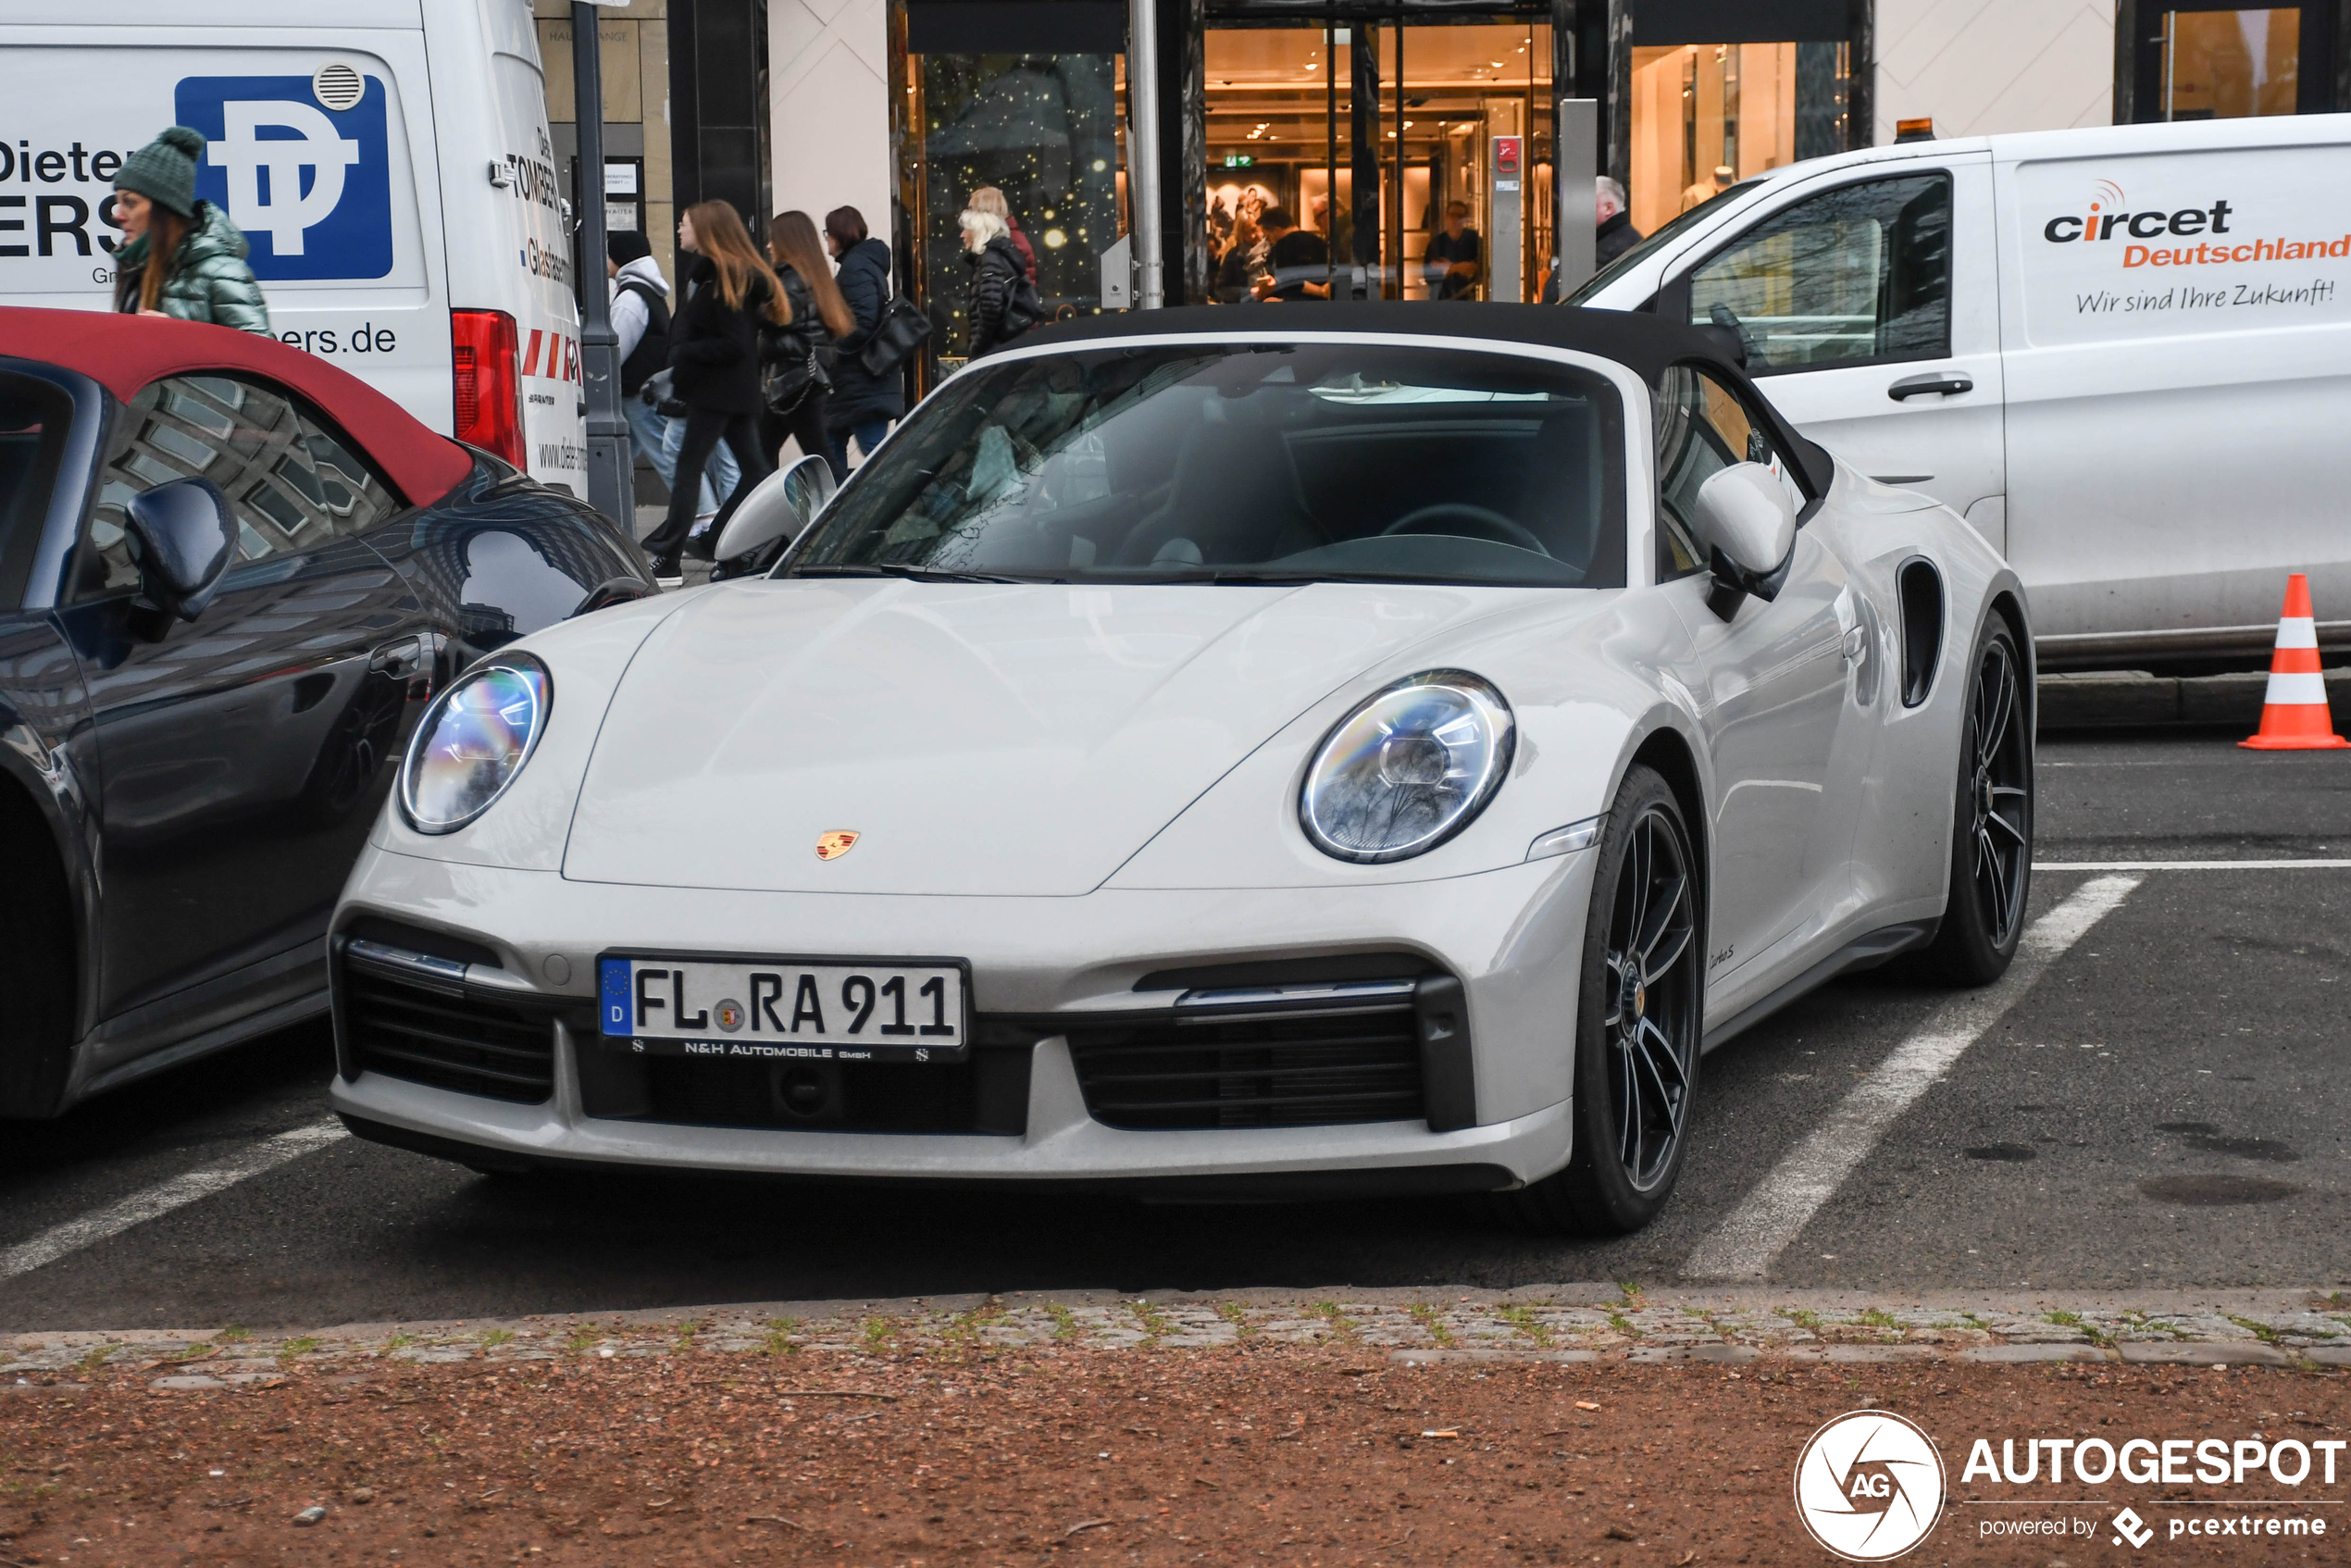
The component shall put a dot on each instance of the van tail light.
(486, 363)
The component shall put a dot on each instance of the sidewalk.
(1553, 1425)
(1550, 1323)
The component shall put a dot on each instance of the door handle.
(398, 660)
(1857, 643)
(1933, 382)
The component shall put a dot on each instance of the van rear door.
(1868, 302)
(2179, 360)
(515, 321)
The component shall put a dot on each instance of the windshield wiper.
(1276, 579)
(899, 569)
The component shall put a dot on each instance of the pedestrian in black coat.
(713, 362)
(861, 404)
(992, 307)
(799, 354)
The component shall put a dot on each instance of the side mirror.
(782, 508)
(183, 537)
(1746, 525)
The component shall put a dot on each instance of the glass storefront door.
(1413, 158)
(2233, 62)
(1706, 115)
(2231, 65)
(1043, 129)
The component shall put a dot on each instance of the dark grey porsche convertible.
(230, 579)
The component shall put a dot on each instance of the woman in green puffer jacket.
(203, 275)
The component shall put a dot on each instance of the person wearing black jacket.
(714, 363)
(993, 309)
(794, 356)
(861, 404)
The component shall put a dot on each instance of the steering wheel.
(1484, 522)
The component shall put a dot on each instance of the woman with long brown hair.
(180, 256)
(727, 291)
(797, 387)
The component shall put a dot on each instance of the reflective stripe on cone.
(2295, 716)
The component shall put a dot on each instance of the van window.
(1649, 244)
(292, 486)
(1702, 428)
(1858, 275)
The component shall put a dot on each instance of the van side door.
(1869, 304)
(2178, 377)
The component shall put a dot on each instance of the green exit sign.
(1239, 160)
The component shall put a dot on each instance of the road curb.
(2307, 1330)
(2135, 700)
(2209, 1355)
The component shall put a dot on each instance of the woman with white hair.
(1000, 303)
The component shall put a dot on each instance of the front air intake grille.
(449, 1036)
(1348, 1053)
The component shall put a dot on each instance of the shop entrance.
(1336, 154)
(1706, 115)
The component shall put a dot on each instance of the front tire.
(1991, 821)
(1637, 1016)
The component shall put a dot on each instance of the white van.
(388, 160)
(2123, 354)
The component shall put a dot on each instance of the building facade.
(686, 110)
(1363, 121)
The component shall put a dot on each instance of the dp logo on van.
(1869, 1486)
(310, 186)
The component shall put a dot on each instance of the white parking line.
(166, 1196)
(2191, 865)
(1770, 1215)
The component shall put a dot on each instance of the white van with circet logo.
(2123, 354)
(388, 160)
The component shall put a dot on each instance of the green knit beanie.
(165, 170)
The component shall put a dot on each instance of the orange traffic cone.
(2293, 713)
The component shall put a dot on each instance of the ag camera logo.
(1869, 1486)
(310, 185)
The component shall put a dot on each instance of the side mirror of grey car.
(1746, 525)
(780, 509)
(182, 537)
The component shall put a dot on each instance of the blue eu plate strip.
(613, 981)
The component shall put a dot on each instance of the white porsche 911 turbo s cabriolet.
(1335, 748)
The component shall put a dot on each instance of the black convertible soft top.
(1636, 339)
(1631, 338)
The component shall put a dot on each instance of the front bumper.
(1512, 938)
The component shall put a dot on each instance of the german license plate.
(786, 1009)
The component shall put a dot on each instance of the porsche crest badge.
(836, 843)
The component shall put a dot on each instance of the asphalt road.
(2165, 1107)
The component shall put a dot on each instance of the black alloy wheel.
(366, 735)
(1637, 1022)
(1991, 820)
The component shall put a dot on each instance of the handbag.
(1022, 311)
(784, 384)
(659, 394)
(904, 328)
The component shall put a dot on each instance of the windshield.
(1632, 258)
(1221, 463)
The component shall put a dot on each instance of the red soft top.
(124, 354)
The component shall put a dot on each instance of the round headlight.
(1408, 769)
(472, 743)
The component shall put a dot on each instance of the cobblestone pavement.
(2270, 1328)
